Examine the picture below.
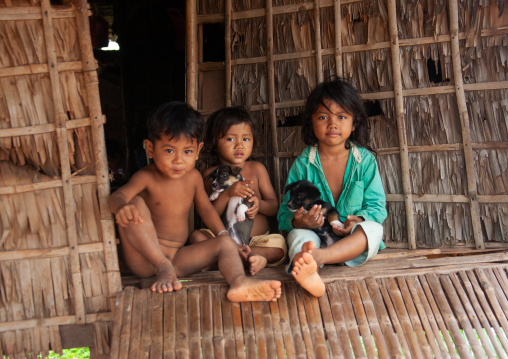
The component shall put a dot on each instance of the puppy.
(236, 222)
(304, 194)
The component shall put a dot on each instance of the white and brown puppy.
(236, 222)
(304, 194)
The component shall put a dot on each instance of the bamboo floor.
(414, 307)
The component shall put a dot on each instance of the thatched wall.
(441, 135)
(58, 261)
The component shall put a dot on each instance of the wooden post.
(63, 149)
(338, 38)
(191, 63)
(227, 43)
(317, 30)
(464, 122)
(99, 145)
(401, 125)
(271, 97)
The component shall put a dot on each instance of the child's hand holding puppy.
(251, 212)
(240, 189)
(348, 225)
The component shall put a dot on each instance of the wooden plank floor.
(438, 312)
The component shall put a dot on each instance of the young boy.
(229, 140)
(152, 212)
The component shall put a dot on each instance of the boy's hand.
(126, 215)
(348, 225)
(240, 189)
(310, 220)
(251, 212)
(244, 251)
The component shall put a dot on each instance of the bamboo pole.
(99, 145)
(191, 62)
(401, 125)
(338, 38)
(317, 31)
(63, 149)
(464, 122)
(227, 43)
(271, 98)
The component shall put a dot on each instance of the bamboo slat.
(271, 99)
(191, 52)
(464, 121)
(317, 32)
(385, 315)
(64, 160)
(227, 43)
(338, 38)
(401, 124)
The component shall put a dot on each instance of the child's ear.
(200, 146)
(148, 145)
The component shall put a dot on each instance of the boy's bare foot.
(166, 280)
(253, 290)
(256, 263)
(305, 273)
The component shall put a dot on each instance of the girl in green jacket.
(339, 162)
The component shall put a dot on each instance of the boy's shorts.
(373, 230)
(273, 240)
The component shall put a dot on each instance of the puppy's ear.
(235, 171)
(212, 174)
(290, 186)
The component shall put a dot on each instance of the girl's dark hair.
(175, 119)
(344, 95)
(217, 125)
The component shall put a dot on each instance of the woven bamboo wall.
(442, 143)
(58, 260)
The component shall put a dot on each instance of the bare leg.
(305, 271)
(143, 252)
(261, 256)
(197, 236)
(224, 250)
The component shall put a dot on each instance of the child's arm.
(268, 204)
(118, 202)
(206, 210)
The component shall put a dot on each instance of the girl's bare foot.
(306, 248)
(305, 273)
(166, 280)
(253, 290)
(256, 263)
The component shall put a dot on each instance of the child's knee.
(226, 242)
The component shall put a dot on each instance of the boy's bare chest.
(170, 197)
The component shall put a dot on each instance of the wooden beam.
(271, 98)
(63, 149)
(464, 122)
(401, 123)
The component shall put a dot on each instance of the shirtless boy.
(152, 212)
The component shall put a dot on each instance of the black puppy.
(304, 194)
(236, 222)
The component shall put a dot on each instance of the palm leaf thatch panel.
(433, 74)
(58, 260)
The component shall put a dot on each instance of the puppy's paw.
(337, 223)
(214, 195)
